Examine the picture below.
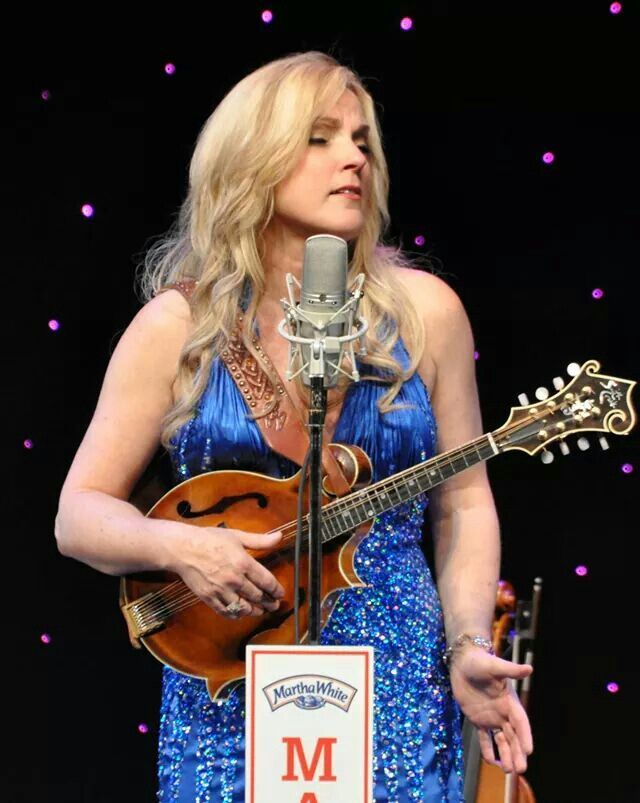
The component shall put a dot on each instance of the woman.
(270, 169)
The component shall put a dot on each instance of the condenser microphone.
(320, 325)
(323, 294)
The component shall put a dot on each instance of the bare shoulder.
(169, 309)
(442, 313)
(431, 295)
(137, 390)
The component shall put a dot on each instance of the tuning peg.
(583, 444)
(524, 401)
(573, 369)
(547, 456)
(603, 442)
(564, 447)
(558, 382)
(542, 394)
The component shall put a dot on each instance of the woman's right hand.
(214, 563)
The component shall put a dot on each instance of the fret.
(363, 505)
(330, 524)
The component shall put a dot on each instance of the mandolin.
(180, 630)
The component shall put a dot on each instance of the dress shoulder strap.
(184, 286)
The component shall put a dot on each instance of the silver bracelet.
(478, 641)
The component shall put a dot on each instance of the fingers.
(509, 669)
(263, 579)
(508, 747)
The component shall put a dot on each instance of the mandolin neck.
(344, 514)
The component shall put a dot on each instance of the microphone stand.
(317, 413)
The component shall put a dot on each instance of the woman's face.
(307, 201)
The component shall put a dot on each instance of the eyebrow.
(334, 124)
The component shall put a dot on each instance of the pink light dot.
(28, 443)
(87, 210)
(45, 94)
(420, 240)
(170, 68)
(45, 638)
(582, 571)
(627, 468)
(615, 8)
(548, 157)
(142, 728)
(406, 23)
(476, 355)
(613, 688)
(54, 325)
(597, 293)
(267, 16)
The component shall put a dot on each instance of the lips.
(349, 188)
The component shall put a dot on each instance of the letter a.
(308, 797)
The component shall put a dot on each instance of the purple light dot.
(142, 728)
(54, 325)
(476, 355)
(406, 23)
(87, 210)
(582, 571)
(613, 688)
(267, 16)
(170, 68)
(45, 94)
(548, 157)
(45, 638)
(28, 443)
(420, 240)
(627, 468)
(615, 8)
(597, 293)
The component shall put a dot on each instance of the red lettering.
(294, 748)
(308, 797)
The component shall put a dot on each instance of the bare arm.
(466, 530)
(95, 524)
(462, 513)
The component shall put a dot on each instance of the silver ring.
(493, 731)
(234, 607)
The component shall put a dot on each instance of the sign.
(309, 724)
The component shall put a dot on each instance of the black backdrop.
(469, 100)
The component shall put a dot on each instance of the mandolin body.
(187, 635)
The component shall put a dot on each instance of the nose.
(354, 158)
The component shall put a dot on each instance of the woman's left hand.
(481, 685)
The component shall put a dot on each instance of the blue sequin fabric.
(417, 742)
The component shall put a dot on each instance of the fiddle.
(484, 782)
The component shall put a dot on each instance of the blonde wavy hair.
(251, 142)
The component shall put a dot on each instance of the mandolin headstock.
(591, 402)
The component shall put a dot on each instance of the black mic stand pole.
(317, 414)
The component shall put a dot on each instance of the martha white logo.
(309, 692)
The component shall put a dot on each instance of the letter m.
(294, 748)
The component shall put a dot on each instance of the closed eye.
(322, 141)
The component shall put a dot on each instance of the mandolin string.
(182, 597)
(171, 603)
(163, 602)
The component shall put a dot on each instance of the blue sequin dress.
(417, 743)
